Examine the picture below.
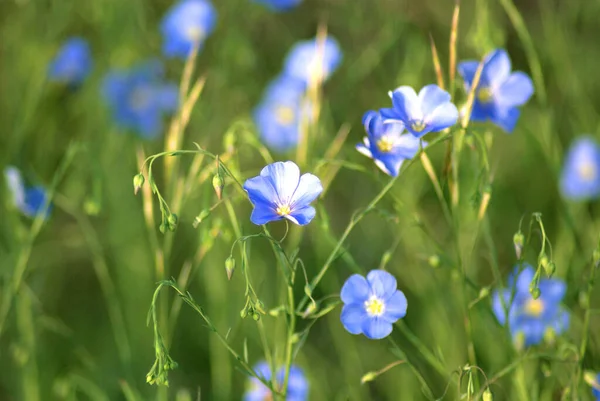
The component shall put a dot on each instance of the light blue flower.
(297, 384)
(72, 64)
(187, 24)
(280, 193)
(372, 305)
(429, 111)
(29, 200)
(386, 144)
(580, 178)
(279, 5)
(281, 113)
(313, 60)
(528, 317)
(500, 92)
(596, 388)
(139, 98)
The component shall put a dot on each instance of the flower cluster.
(531, 319)
(284, 106)
(30, 201)
(297, 384)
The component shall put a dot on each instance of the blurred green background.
(96, 253)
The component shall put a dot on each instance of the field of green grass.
(77, 287)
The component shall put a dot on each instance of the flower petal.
(261, 191)
(382, 283)
(263, 214)
(442, 117)
(515, 91)
(406, 103)
(284, 177)
(431, 97)
(498, 307)
(355, 290)
(467, 70)
(524, 279)
(389, 164)
(376, 328)
(302, 216)
(364, 150)
(352, 317)
(395, 307)
(14, 182)
(309, 188)
(497, 67)
(407, 146)
(552, 290)
(506, 118)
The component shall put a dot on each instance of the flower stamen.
(587, 170)
(534, 307)
(418, 125)
(284, 115)
(374, 306)
(385, 144)
(283, 210)
(484, 95)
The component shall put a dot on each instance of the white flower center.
(417, 125)
(195, 33)
(587, 170)
(284, 115)
(385, 144)
(374, 306)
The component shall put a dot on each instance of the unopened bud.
(200, 218)
(434, 261)
(138, 182)
(244, 313)
(256, 316)
(535, 292)
(172, 221)
(218, 185)
(229, 267)
(550, 268)
(484, 292)
(260, 306)
(163, 228)
(487, 395)
(367, 377)
(518, 241)
(550, 336)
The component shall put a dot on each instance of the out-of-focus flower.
(386, 144)
(279, 192)
(29, 200)
(372, 305)
(580, 179)
(500, 92)
(528, 318)
(279, 5)
(281, 112)
(297, 384)
(313, 60)
(139, 97)
(429, 111)
(72, 64)
(187, 24)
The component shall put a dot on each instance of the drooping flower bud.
(229, 267)
(198, 219)
(487, 395)
(218, 185)
(138, 182)
(518, 241)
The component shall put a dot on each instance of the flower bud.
(229, 266)
(138, 182)
(198, 219)
(518, 241)
(244, 313)
(434, 261)
(255, 316)
(367, 377)
(535, 292)
(484, 292)
(550, 268)
(218, 185)
(172, 221)
(487, 395)
(162, 228)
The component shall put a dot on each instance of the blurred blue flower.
(29, 200)
(187, 24)
(386, 144)
(371, 305)
(280, 113)
(297, 384)
(528, 317)
(279, 5)
(279, 192)
(580, 179)
(596, 388)
(499, 92)
(139, 97)
(313, 60)
(72, 64)
(429, 111)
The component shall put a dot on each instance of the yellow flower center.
(283, 210)
(484, 95)
(385, 144)
(284, 115)
(194, 33)
(534, 307)
(587, 170)
(374, 306)
(417, 126)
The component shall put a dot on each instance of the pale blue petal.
(560, 322)
(497, 67)
(364, 150)
(355, 290)
(367, 117)
(303, 215)
(580, 178)
(442, 117)
(407, 146)
(506, 118)
(395, 307)
(552, 290)
(260, 191)
(284, 177)
(431, 97)
(15, 185)
(498, 307)
(515, 91)
(524, 279)
(382, 283)
(352, 317)
(407, 106)
(376, 328)
(263, 214)
(309, 188)
(467, 70)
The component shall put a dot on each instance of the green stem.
(425, 352)
(586, 325)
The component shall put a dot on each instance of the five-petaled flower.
(580, 178)
(281, 112)
(499, 92)
(279, 192)
(139, 98)
(386, 144)
(372, 305)
(313, 61)
(72, 64)
(429, 111)
(297, 389)
(187, 25)
(530, 319)
(29, 200)
(279, 5)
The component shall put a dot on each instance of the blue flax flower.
(280, 193)
(580, 178)
(595, 383)
(139, 97)
(429, 111)
(29, 200)
(297, 384)
(279, 5)
(313, 60)
(281, 112)
(186, 25)
(371, 305)
(72, 64)
(499, 92)
(530, 319)
(386, 144)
